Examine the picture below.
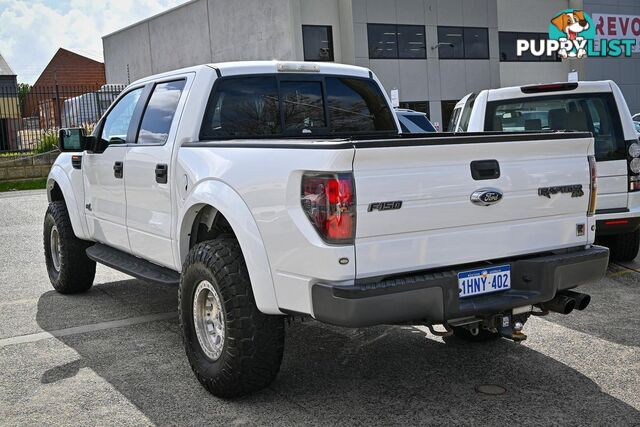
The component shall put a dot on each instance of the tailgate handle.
(485, 169)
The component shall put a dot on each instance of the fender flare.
(58, 176)
(228, 202)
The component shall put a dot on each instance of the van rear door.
(595, 112)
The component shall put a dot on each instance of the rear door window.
(454, 120)
(595, 113)
(158, 116)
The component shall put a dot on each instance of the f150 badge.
(575, 190)
(486, 196)
(384, 206)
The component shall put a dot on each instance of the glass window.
(508, 50)
(383, 41)
(507, 43)
(357, 105)
(116, 125)
(317, 41)
(422, 124)
(243, 107)
(452, 43)
(396, 41)
(476, 43)
(157, 118)
(303, 105)
(465, 115)
(450, 114)
(411, 42)
(422, 106)
(595, 113)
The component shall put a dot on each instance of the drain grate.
(491, 389)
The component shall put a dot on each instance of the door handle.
(118, 169)
(162, 172)
(485, 169)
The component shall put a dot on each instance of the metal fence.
(29, 122)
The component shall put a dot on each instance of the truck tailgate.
(437, 224)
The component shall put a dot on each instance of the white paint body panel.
(613, 181)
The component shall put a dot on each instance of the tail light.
(634, 166)
(328, 200)
(552, 87)
(593, 187)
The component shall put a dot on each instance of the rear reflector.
(617, 222)
(328, 200)
(553, 87)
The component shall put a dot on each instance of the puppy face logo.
(571, 23)
(575, 27)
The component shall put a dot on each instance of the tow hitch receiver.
(510, 329)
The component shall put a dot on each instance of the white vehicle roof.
(267, 67)
(516, 91)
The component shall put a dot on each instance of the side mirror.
(74, 140)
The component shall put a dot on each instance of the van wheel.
(232, 347)
(70, 270)
(624, 247)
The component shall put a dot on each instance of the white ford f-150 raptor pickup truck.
(274, 189)
(597, 107)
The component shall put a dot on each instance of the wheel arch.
(218, 207)
(59, 188)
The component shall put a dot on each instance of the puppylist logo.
(572, 34)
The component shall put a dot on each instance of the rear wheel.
(624, 247)
(233, 348)
(70, 270)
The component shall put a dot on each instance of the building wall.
(431, 79)
(198, 32)
(624, 71)
(70, 69)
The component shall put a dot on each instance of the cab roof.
(268, 67)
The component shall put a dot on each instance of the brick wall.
(25, 168)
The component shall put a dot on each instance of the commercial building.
(432, 51)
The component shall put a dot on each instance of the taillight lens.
(328, 200)
(593, 187)
(634, 165)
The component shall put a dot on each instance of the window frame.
(395, 29)
(289, 135)
(100, 147)
(151, 90)
(464, 50)
(329, 29)
(520, 59)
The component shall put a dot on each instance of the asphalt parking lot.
(114, 356)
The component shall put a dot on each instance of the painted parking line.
(86, 328)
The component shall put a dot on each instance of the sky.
(31, 31)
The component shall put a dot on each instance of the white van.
(597, 107)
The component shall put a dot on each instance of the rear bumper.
(433, 297)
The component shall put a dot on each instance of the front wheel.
(232, 347)
(70, 270)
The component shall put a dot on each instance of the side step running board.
(131, 265)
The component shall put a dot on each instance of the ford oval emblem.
(486, 196)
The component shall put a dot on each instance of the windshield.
(594, 112)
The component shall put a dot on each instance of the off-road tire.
(253, 341)
(76, 271)
(624, 247)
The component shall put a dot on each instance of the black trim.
(218, 73)
(406, 140)
(76, 161)
(131, 265)
(611, 211)
(432, 296)
(604, 229)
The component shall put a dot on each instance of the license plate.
(484, 281)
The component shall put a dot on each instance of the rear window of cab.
(295, 105)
